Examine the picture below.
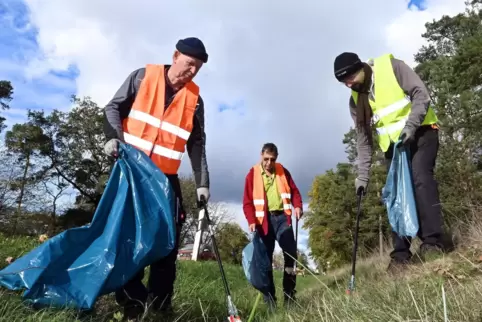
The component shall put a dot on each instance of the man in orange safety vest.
(158, 110)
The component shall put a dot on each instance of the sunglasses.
(269, 159)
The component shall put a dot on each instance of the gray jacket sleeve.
(120, 105)
(196, 147)
(364, 145)
(414, 87)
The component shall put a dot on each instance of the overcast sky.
(269, 77)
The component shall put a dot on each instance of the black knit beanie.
(347, 64)
(193, 47)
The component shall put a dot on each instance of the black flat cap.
(193, 47)
(346, 64)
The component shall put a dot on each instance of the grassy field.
(446, 289)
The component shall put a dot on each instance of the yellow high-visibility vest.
(392, 106)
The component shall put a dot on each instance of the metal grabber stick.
(351, 284)
(232, 311)
(296, 241)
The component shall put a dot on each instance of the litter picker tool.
(232, 311)
(351, 284)
(296, 241)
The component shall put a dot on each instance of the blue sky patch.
(18, 47)
(419, 4)
(238, 106)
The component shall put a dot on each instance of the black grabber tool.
(351, 284)
(296, 241)
(232, 311)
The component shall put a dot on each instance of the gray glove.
(361, 185)
(408, 134)
(111, 148)
(203, 191)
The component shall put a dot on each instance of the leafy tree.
(217, 213)
(9, 172)
(303, 260)
(6, 92)
(450, 65)
(75, 148)
(24, 140)
(231, 239)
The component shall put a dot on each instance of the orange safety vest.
(161, 133)
(259, 193)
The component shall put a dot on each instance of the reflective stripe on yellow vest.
(259, 192)
(392, 106)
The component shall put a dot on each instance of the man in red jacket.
(269, 197)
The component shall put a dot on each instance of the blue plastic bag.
(398, 194)
(257, 265)
(132, 227)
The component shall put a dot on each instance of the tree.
(75, 148)
(231, 240)
(6, 92)
(217, 213)
(303, 260)
(24, 140)
(450, 66)
(9, 172)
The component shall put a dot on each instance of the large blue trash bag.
(398, 195)
(132, 227)
(257, 265)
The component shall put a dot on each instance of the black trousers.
(423, 153)
(280, 231)
(162, 273)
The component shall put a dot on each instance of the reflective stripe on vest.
(259, 194)
(161, 133)
(392, 106)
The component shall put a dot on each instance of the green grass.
(417, 295)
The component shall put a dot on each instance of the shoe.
(430, 252)
(133, 313)
(396, 267)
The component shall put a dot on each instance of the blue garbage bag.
(132, 227)
(398, 194)
(257, 265)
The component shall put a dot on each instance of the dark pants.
(280, 231)
(162, 273)
(423, 153)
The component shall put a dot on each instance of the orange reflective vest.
(161, 133)
(259, 193)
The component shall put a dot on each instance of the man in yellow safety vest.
(387, 94)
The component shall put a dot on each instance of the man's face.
(268, 161)
(185, 67)
(355, 81)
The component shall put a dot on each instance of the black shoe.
(430, 252)
(133, 313)
(396, 267)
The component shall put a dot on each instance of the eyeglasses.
(269, 159)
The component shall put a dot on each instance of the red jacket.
(248, 206)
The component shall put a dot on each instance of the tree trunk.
(20, 198)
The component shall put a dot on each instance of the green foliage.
(450, 65)
(231, 240)
(6, 92)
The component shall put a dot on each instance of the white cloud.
(277, 57)
(405, 32)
